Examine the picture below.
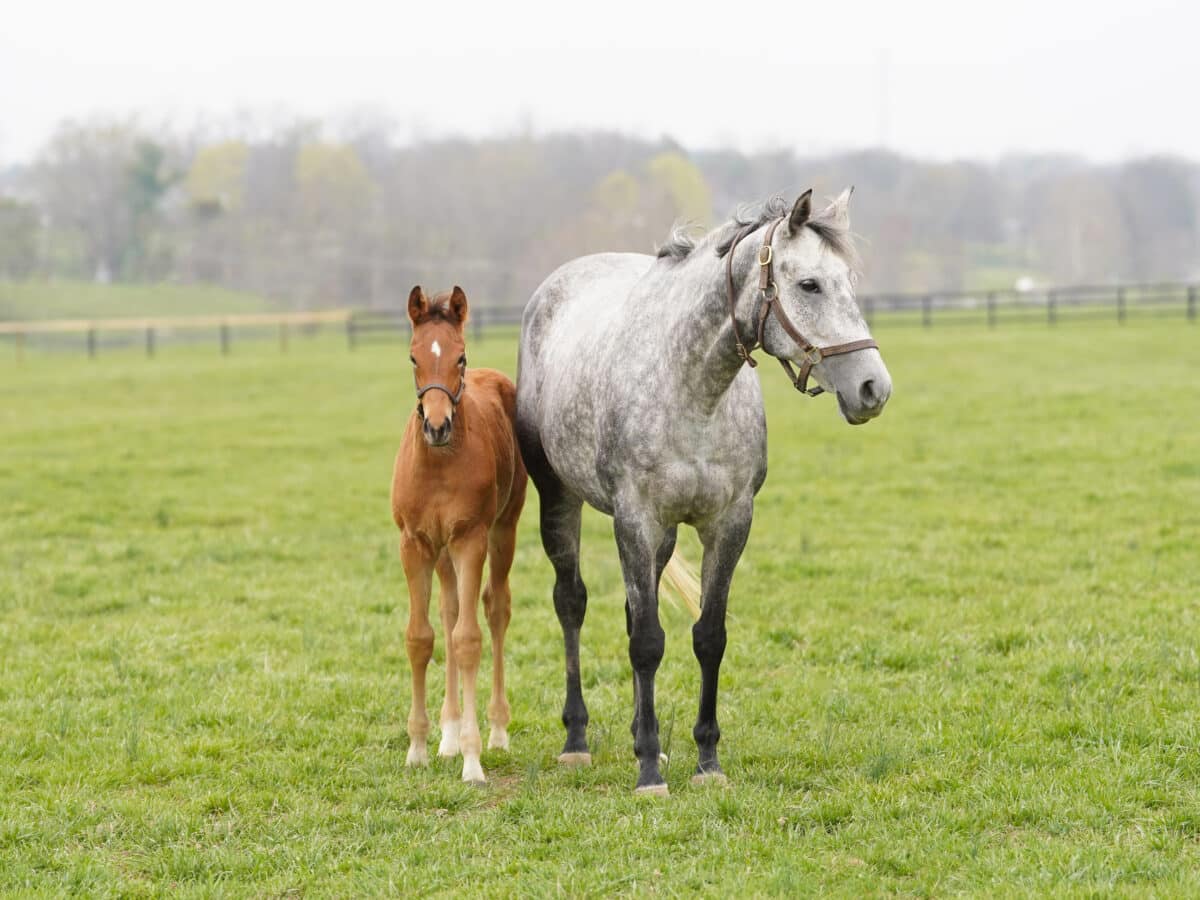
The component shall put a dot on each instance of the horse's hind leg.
(723, 544)
(418, 570)
(497, 606)
(451, 713)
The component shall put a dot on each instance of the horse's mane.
(681, 243)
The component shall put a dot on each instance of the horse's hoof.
(652, 790)
(449, 743)
(418, 755)
(705, 778)
(473, 771)
(575, 759)
(498, 739)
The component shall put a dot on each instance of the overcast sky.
(939, 79)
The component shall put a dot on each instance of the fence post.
(91, 342)
(869, 310)
(1051, 308)
(283, 337)
(478, 320)
(1121, 304)
(991, 309)
(149, 342)
(927, 310)
(1191, 304)
(350, 335)
(224, 338)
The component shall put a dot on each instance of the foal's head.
(439, 358)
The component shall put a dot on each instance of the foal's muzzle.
(437, 435)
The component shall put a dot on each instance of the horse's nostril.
(866, 393)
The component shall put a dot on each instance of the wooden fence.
(992, 308)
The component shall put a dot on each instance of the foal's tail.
(681, 578)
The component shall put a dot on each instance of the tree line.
(313, 219)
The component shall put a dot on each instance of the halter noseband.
(769, 294)
(454, 396)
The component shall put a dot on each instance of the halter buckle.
(765, 255)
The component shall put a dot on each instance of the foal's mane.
(680, 244)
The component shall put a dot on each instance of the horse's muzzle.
(436, 435)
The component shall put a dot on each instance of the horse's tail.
(683, 582)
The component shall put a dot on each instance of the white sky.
(963, 79)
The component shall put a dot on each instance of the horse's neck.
(704, 346)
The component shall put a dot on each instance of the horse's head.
(815, 273)
(439, 358)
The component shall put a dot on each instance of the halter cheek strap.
(769, 295)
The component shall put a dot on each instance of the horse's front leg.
(418, 570)
(723, 540)
(638, 540)
(467, 553)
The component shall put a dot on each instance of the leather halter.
(454, 396)
(769, 295)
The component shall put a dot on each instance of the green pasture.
(964, 649)
(87, 300)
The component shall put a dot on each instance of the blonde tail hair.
(682, 581)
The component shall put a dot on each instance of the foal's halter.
(454, 396)
(769, 295)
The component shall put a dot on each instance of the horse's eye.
(809, 286)
(462, 362)
(412, 359)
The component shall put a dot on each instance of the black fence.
(1051, 305)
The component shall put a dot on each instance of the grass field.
(964, 642)
(86, 300)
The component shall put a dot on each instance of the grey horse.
(634, 395)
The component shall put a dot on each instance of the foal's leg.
(497, 606)
(468, 553)
(418, 570)
(638, 541)
(451, 714)
(723, 544)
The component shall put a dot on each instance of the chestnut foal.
(457, 492)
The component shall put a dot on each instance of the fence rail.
(363, 326)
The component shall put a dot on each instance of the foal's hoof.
(652, 790)
(418, 755)
(449, 743)
(473, 771)
(715, 778)
(575, 759)
(498, 739)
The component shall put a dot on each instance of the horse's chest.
(701, 474)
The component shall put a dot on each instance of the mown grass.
(964, 653)
(87, 300)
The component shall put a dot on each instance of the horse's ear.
(417, 304)
(458, 305)
(800, 212)
(837, 213)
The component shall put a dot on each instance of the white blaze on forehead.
(437, 349)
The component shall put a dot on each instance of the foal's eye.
(809, 286)
(413, 360)
(462, 362)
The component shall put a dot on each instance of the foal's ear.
(800, 212)
(417, 304)
(458, 305)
